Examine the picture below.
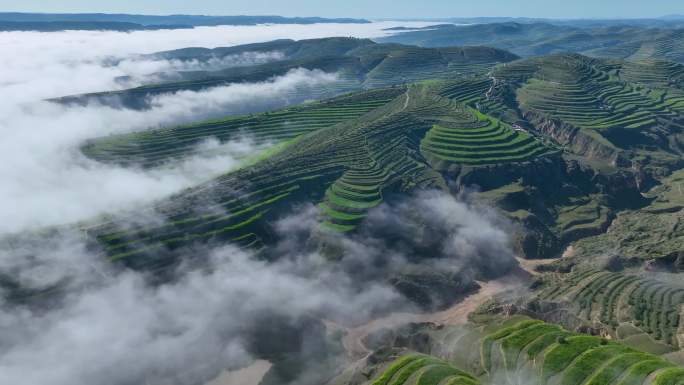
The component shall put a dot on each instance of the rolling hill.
(48, 22)
(386, 142)
(616, 124)
(506, 350)
(581, 155)
(359, 64)
(621, 41)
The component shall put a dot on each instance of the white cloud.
(45, 180)
(46, 65)
(111, 326)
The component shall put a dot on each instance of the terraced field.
(347, 168)
(156, 147)
(358, 63)
(418, 369)
(476, 139)
(350, 197)
(668, 46)
(634, 106)
(628, 42)
(655, 73)
(591, 99)
(239, 206)
(517, 350)
(551, 355)
(405, 64)
(638, 310)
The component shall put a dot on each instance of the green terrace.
(552, 355)
(155, 147)
(520, 350)
(348, 199)
(419, 369)
(342, 166)
(654, 73)
(608, 97)
(641, 311)
(476, 139)
(668, 47)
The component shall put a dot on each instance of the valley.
(492, 203)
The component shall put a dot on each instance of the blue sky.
(364, 8)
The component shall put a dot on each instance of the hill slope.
(533, 39)
(348, 167)
(359, 64)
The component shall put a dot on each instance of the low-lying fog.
(46, 181)
(111, 327)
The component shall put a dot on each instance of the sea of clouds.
(110, 325)
(47, 181)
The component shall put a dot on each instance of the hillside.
(62, 21)
(540, 38)
(508, 350)
(387, 142)
(55, 26)
(358, 63)
(487, 218)
(618, 128)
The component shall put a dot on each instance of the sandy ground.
(250, 375)
(530, 265)
(455, 315)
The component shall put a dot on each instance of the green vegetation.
(573, 359)
(420, 369)
(159, 146)
(651, 306)
(545, 38)
(358, 63)
(353, 161)
(472, 138)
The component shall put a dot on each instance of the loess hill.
(620, 40)
(358, 63)
(582, 154)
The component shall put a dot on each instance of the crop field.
(554, 356)
(670, 46)
(624, 302)
(619, 105)
(542, 38)
(586, 94)
(591, 99)
(346, 156)
(418, 369)
(155, 147)
(654, 73)
(238, 206)
(475, 139)
(412, 64)
(358, 63)
(519, 350)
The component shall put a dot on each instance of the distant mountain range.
(17, 21)
(533, 39)
(669, 21)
